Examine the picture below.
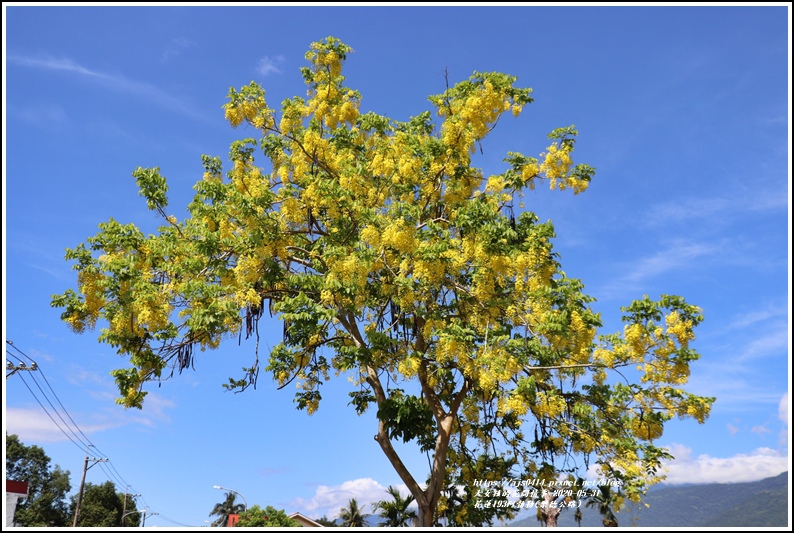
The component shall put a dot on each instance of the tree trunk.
(425, 516)
(548, 512)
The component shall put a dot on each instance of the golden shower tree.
(389, 257)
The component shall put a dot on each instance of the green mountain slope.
(761, 503)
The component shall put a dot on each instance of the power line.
(167, 519)
(41, 372)
(81, 441)
(49, 415)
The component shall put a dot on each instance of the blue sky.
(682, 110)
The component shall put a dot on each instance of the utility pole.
(124, 511)
(82, 484)
(16, 368)
(143, 522)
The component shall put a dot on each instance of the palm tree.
(603, 502)
(352, 515)
(395, 512)
(224, 509)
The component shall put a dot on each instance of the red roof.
(17, 487)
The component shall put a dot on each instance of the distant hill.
(757, 504)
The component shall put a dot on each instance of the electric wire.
(81, 440)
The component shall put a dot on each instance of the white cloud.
(154, 409)
(733, 430)
(759, 464)
(146, 91)
(327, 500)
(33, 425)
(269, 65)
(175, 47)
(760, 430)
(782, 410)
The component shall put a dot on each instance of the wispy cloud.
(726, 208)
(733, 430)
(671, 259)
(44, 116)
(268, 65)
(628, 276)
(760, 430)
(145, 91)
(753, 317)
(176, 47)
(783, 416)
(769, 344)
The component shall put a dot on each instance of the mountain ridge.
(762, 503)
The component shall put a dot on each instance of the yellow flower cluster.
(529, 172)
(429, 272)
(581, 337)
(482, 109)
(556, 166)
(682, 330)
(252, 110)
(401, 236)
(371, 236)
(153, 310)
(516, 404)
(698, 409)
(637, 339)
(548, 406)
(90, 283)
(292, 118)
(409, 366)
(248, 269)
(646, 430)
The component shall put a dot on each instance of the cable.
(53, 392)
(47, 413)
(167, 519)
(81, 441)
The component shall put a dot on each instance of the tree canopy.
(389, 256)
(352, 515)
(267, 517)
(102, 506)
(395, 512)
(46, 504)
(226, 508)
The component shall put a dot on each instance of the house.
(304, 521)
(15, 491)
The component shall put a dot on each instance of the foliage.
(352, 515)
(459, 502)
(602, 500)
(226, 508)
(395, 512)
(267, 517)
(102, 506)
(326, 522)
(46, 504)
(390, 257)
